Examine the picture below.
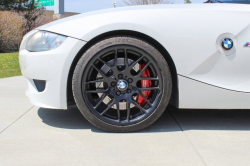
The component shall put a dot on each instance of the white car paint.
(191, 34)
(52, 66)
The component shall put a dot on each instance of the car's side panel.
(197, 95)
(188, 32)
(227, 71)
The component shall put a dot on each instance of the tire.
(107, 99)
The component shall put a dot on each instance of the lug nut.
(118, 93)
(129, 91)
(113, 84)
(130, 80)
(120, 76)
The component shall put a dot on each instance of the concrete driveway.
(30, 135)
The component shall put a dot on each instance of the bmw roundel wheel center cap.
(122, 85)
(227, 44)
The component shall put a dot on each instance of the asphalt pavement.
(30, 135)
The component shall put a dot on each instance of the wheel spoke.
(95, 81)
(142, 95)
(101, 72)
(138, 60)
(128, 110)
(126, 59)
(151, 88)
(115, 62)
(118, 112)
(144, 68)
(109, 106)
(106, 63)
(149, 78)
(100, 101)
(96, 91)
(138, 106)
(157, 97)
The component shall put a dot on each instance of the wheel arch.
(174, 101)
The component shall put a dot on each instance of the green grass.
(9, 65)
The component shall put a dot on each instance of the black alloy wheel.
(108, 83)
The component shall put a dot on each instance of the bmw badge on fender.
(227, 44)
(123, 67)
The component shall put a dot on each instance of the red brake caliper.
(144, 84)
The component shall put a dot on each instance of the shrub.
(11, 31)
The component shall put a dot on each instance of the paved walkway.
(30, 135)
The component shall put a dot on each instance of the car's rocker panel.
(197, 95)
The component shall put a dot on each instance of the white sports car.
(122, 67)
